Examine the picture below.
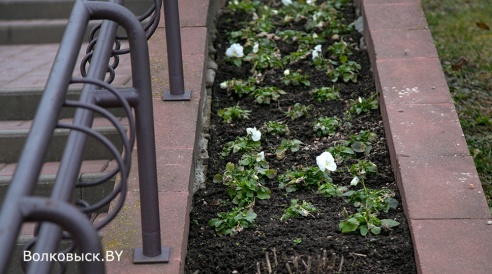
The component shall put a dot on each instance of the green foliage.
(372, 199)
(265, 95)
(234, 113)
(240, 145)
(331, 190)
(295, 78)
(298, 210)
(347, 71)
(243, 185)
(240, 87)
(325, 126)
(365, 223)
(341, 152)
(361, 142)
(338, 49)
(302, 178)
(285, 145)
(231, 223)
(276, 128)
(325, 94)
(363, 168)
(297, 111)
(267, 57)
(363, 105)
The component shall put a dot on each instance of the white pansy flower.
(255, 134)
(287, 2)
(256, 47)
(311, 2)
(315, 35)
(235, 50)
(260, 156)
(224, 85)
(354, 181)
(286, 72)
(325, 161)
(316, 52)
(360, 100)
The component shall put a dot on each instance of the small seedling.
(292, 145)
(298, 210)
(347, 71)
(326, 126)
(297, 111)
(325, 94)
(276, 128)
(231, 223)
(302, 178)
(295, 78)
(265, 95)
(232, 114)
(363, 105)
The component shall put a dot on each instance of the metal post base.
(186, 96)
(140, 258)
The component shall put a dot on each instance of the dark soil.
(246, 252)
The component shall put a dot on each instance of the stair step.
(53, 9)
(90, 170)
(42, 22)
(13, 135)
(39, 31)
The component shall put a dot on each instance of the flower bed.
(299, 175)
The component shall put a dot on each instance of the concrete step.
(22, 104)
(90, 170)
(14, 133)
(53, 9)
(38, 31)
(42, 22)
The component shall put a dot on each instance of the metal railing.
(58, 218)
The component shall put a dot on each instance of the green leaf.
(375, 230)
(271, 173)
(237, 62)
(389, 223)
(218, 178)
(359, 147)
(229, 166)
(363, 230)
(393, 203)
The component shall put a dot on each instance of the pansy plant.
(235, 54)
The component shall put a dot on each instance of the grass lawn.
(462, 31)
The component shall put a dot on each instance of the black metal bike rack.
(58, 217)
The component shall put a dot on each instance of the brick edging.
(441, 193)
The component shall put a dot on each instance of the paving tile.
(124, 233)
(424, 130)
(412, 81)
(193, 71)
(400, 17)
(390, 44)
(192, 13)
(193, 40)
(175, 123)
(441, 188)
(452, 246)
(174, 167)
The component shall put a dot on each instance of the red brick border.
(442, 195)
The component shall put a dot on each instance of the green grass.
(465, 50)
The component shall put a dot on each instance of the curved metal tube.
(70, 218)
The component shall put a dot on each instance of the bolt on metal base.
(140, 258)
(168, 96)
